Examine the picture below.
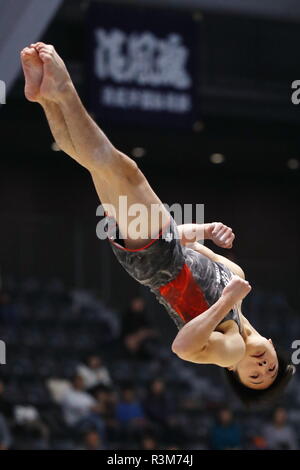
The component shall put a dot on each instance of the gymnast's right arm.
(198, 341)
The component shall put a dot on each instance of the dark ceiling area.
(245, 67)
(244, 99)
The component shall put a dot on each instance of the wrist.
(208, 228)
(227, 301)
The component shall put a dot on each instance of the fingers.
(244, 283)
(229, 238)
(238, 281)
(221, 231)
(223, 235)
(248, 288)
(237, 289)
(217, 227)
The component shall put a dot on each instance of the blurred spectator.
(136, 330)
(6, 408)
(93, 372)
(257, 442)
(279, 434)
(129, 410)
(157, 403)
(5, 437)
(76, 402)
(92, 441)
(172, 417)
(30, 432)
(106, 398)
(80, 409)
(226, 433)
(149, 442)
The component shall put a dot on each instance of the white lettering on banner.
(146, 100)
(142, 59)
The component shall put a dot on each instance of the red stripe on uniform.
(184, 295)
(153, 240)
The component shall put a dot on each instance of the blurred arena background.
(89, 363)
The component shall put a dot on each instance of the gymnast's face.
(259, 367)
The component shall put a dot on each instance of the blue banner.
(142, 65)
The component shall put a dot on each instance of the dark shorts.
(155, 264)
(184, 281)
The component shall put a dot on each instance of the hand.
(236, 290)
(221, 235)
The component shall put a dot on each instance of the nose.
(263, 363)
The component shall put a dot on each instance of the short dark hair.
(257, 399)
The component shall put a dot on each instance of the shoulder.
(233, 267)
(202, 251)
(223, 348)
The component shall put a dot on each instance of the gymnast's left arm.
(217, 232)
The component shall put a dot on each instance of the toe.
(38, 45)
(26, 50)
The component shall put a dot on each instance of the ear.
(271, 341)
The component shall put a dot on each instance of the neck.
(248, 334)
(248, 329)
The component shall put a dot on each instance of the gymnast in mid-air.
(201, 290)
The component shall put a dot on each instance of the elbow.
(179, 348)
(242, 274)
(175, 348)
(184, 351)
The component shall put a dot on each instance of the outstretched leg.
(114, 174)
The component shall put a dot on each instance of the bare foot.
(33, 71)
(55, 74)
